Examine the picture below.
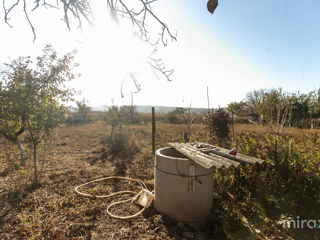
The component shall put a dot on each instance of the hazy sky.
(244, 45)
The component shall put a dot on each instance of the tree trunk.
(35, 163)
(24, 156)
(111, 134)
(261, 119)
(290, 116)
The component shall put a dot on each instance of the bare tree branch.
(136, 83)
(79, 9)
(138, 18)
(158, 66)
(121, 89)
(7, 11)
(28, 19)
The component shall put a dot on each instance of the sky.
(244, 45)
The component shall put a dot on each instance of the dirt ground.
(55, 211)
(79, 154)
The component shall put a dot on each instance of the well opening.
(170, 152)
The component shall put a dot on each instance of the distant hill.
(158, 109)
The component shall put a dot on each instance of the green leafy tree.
(314, 110)
(273, 106)
(180, 110)
(173, 117)
(13, 98)
(83, 107)
(254, 100)
(301, 109)
(236, 107)
(116, 117)
(37, 96)
(276, 108)
(130, 114)
(270, 101)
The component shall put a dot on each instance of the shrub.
(172, 117)
(217, 126)
(288, 183)
(122, 148)
(116, 118)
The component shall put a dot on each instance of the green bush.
(287, 184)
(217, 126)
(172, 117)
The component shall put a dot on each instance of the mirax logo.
(301, 223)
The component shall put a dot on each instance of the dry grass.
(79, 154)
(54, 211)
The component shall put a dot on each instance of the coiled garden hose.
(132, 199)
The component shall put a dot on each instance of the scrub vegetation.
(45, 150)
(249, 202)
(59, 149)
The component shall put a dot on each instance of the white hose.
(132, 199)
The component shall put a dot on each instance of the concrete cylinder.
(183, 189)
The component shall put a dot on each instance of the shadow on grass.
(11, 201)
(6, 171)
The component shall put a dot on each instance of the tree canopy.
(274, 106)
(33, 96)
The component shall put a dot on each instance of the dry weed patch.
(250, 198)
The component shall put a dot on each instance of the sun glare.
(108, 56)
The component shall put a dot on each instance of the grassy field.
(80, 153)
